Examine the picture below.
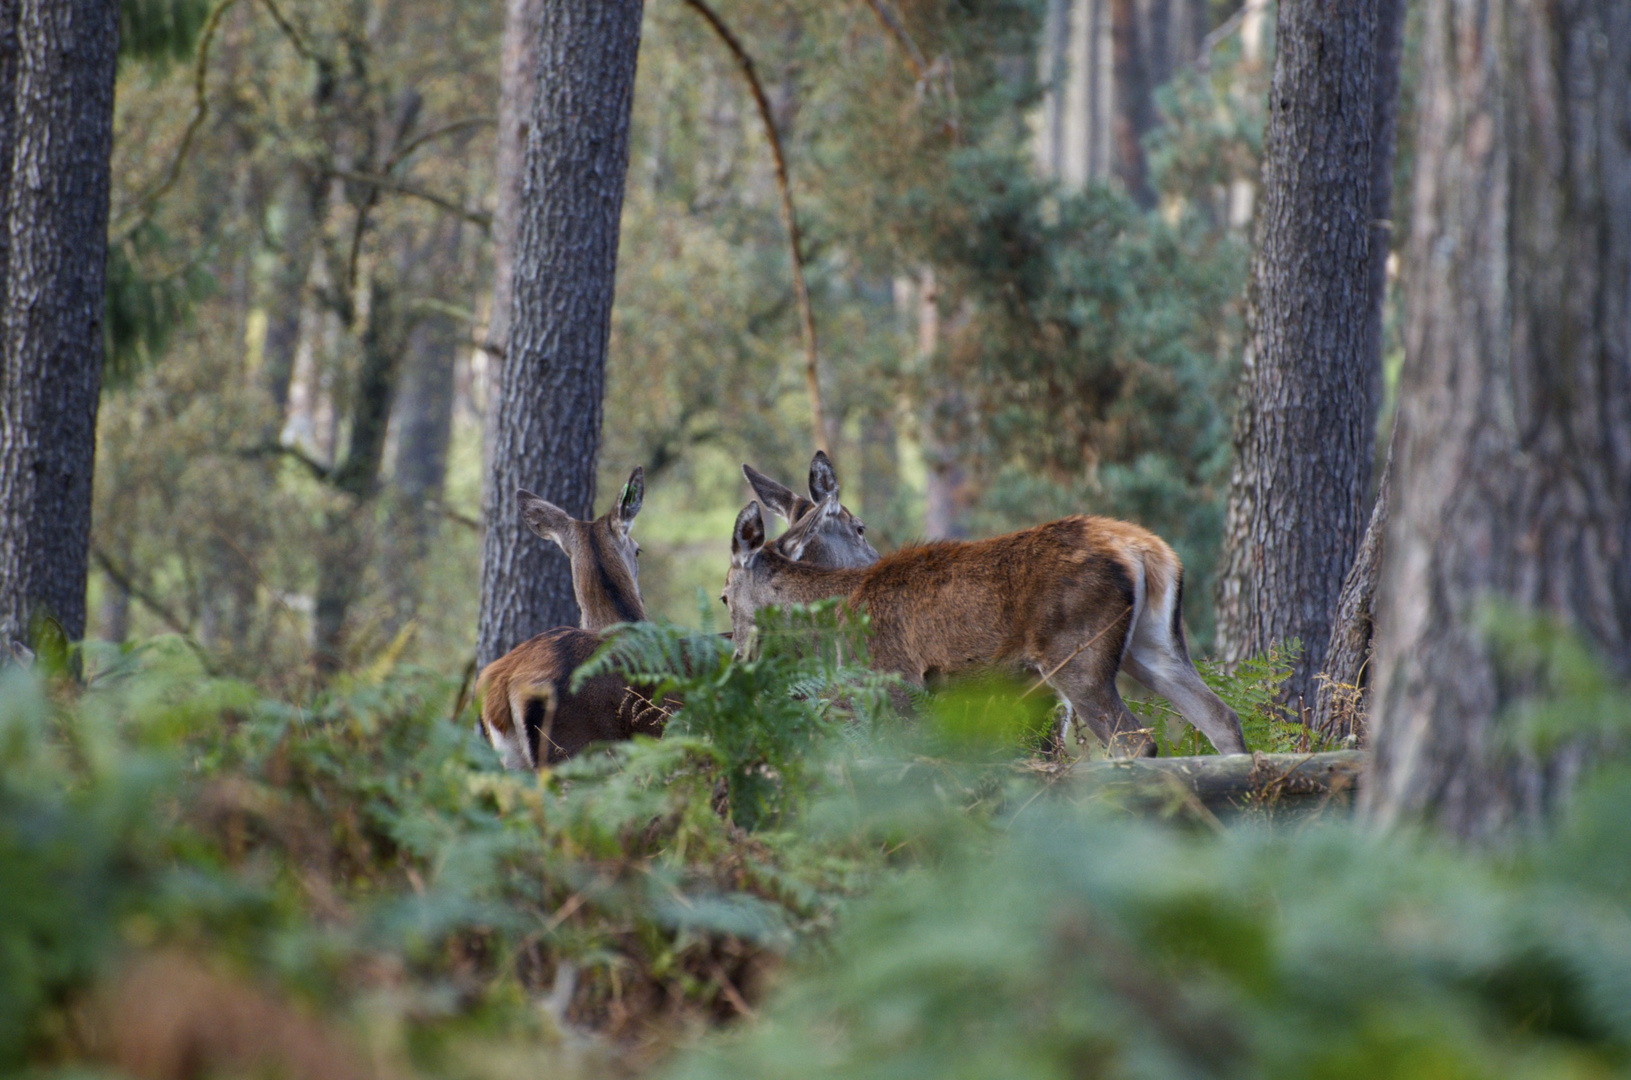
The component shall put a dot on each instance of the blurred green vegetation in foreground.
(196, 880)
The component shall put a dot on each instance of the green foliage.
(1072, 945)
(143, 311)
(1253, 690)
(765, 717)
(160, 30)
(988, 716)
(365, 832)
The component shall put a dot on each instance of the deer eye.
(724, 601)
(860, 530)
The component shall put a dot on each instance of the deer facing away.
(1076, 600)
(529, 712)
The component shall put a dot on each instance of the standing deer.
(1076, 600)
(527, 701)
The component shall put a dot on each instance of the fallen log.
(1236, 782)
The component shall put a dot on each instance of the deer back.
(950, 605)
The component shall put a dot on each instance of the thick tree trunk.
(56, 263)
(1304, 435)
(1342, 696)
(546, 431)
(1514, 464)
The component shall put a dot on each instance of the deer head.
(605, 557)
(840, 541)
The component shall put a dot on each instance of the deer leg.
(1095, 701)
(1157, 658)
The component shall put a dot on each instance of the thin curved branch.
(289, 31)
(318, 470)
(152, 603)
(801, 291)
(436, 133)
(914, 55)
(201, 111)
(1203, 55)
(929, 77)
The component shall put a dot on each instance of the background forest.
(1334, 297)
(302, 239)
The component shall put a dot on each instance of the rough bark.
(8, 124)
(546, 430)
(56, 226)
(1514, 454)
(1304, 433)
(518, 81)
(1342, 695)
(1342, 698)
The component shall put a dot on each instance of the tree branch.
(318, 470)
(926, 74)
(914, 56)
(483, 221)
(201, 112)
(125, 582)
(289, 31)
(436, 133)
(801, 291)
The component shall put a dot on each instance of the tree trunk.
(355, 476)
(1514, 481)
(286, 300)
(56, 262)
(422, 427)
(517, 88)
(424, 417)
(1134, 94)
(1341, 700)
(546, 431)
(1304, 435)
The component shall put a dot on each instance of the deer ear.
(544, 517)
(634, 493)
(823, 477)
(748, 536)
(796, 539)
(783, 500)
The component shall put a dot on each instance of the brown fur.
(1066, 599)
(528, 712)
(533, 681)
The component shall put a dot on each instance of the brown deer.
(527, 704)
(1075, 600)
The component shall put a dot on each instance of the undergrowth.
(196, 880)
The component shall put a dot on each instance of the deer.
(527, 704)
(1076, 600)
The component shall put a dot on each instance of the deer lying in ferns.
(1076, 600)
(528, 705)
